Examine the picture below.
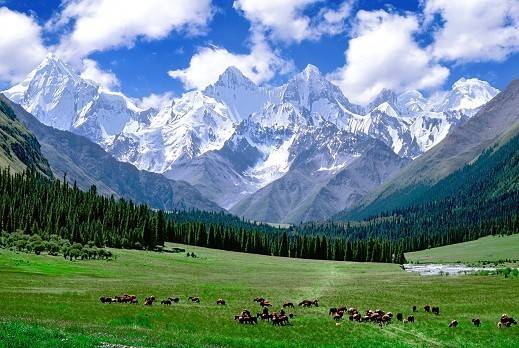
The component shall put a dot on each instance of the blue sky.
(362, 46)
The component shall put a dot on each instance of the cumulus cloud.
(260, 65)
(92, 71)
(155, 101)
(384, 54)
(474, 30)
(21, 47)
(97, 25)
(284, 20)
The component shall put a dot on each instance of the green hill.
(19, 149)
(491, 249)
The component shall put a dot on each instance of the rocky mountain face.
(86, 163)
(247, 147)
(496, 122)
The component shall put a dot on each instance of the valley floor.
(47, 302)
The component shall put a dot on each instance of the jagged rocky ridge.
(249, 148)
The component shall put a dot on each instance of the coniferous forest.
(34, 205)
(449, 212)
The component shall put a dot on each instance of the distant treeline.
(36, 205)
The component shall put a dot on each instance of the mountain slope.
(88, 164)
(235, 137)
(19, 149)
(498, 117)
(330, 170)
(479, 199)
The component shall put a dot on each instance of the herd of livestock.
(282, 318)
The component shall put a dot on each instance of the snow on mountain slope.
(60, 98)
(235, 137)
(467, 95)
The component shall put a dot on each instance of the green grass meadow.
(46, 301)
(486, 249)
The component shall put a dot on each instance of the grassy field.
(486, 249)
(49, 302)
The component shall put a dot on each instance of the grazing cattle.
(507, 320)
(288, 304)
(476, 322)
(126, 299)
(352, 311)
(194, 299)
(279, 319)
(166, 302)
(148, 301)
(105, 299)
(356, 317)
(386, 318)
(247, 320)
(399, 316)
(332, 311)
(264, 316)
(414, 308)
(174, 299)
(435, 310)
(259, 299)
(427, 308)
(410, 319)
(220, 302)
(453, 323)
(405, 321)
(338, 316)
(265, 303)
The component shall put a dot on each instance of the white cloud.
(383, 54)
(21, 47)
(285, 20)
(260, 65)
(92, 71)
(98, 25)
(155, 101)
(475, 30)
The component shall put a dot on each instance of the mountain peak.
(232, 77)
(55, 64)
(467, 94)
(311, 70)
(384, 96)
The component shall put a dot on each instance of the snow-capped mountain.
(60, 98)
(234, 140)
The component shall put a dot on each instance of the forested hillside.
(36, 205)
(480, 199)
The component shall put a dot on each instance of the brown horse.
(309, 303)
